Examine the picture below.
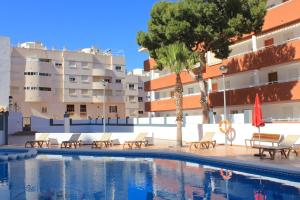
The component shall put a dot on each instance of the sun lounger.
(270, 138)
(284, 147)
(41, 139)
(72, 142)
(137, 142)
(205, 142)
(104, 141)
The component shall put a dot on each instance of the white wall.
(191, 132)
(15, 123)
(245, 131)
(5, 63)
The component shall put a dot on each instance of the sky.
(76, 24)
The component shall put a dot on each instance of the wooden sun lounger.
(104, 141)
(39, 142)
(137, 142)
(285, 147)
(205, 142)
(72, 142)
(271, 138)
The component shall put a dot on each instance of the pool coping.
(264, 169)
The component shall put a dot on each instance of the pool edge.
(265, 169)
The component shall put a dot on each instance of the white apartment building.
(47, 83)
(135, 93)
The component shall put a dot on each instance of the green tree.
(202, 25)
(177, 58)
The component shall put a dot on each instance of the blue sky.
(75, 24)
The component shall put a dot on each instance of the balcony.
(189, 102)
(99, 99)
(131, 92)
(100, 86)
(115, 99)
(268, 56)
(288, 12)
(101, 72)
(280, 16)
(167, 82)
(276, 92)
(132, 105)
(149, 64)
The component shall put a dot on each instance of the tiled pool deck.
(236, 153)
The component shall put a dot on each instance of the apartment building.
(267, 64)
(135, 93)
(47, 83)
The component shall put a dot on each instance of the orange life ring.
(227, 127)
(226, 175)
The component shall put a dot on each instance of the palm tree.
(177, 58)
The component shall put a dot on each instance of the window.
(131, 99)
(72, 64)
(44, 89)
(85, 65)
(141, 112)
(44, 74)
(83, 108)
(36, 74)
(269, 42)
(118, 68)
(113, 109)
(227, 84)
(272, 77)
(140, 88)
(85, 92)
(107, 80)
(234, 112)
(85, 78)
(131, 86)
(172, 94)
(72, 79)
(72, 92)
(44, 60)
(44, 109)
(70, 108)
(58, 64)
(140, 99)
(190, 90)
(214, 87)
(118, 81)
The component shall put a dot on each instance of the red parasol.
(257, 114)
(257, 118)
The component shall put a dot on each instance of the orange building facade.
(267, 63)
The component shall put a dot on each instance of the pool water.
(49, 177)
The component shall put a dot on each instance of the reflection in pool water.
(63, 177)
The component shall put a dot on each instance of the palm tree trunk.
(179, 115)
(204, 100)
(203, 89)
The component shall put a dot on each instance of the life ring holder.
(226, 175)
(227, 125)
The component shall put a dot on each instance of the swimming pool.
(88, 177)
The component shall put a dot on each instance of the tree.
(203, 26)
(177, 58)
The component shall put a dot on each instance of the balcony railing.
(242, 86)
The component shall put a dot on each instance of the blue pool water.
(49, 177)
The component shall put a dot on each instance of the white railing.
(169, 97)
(264, 47)
(257, 85)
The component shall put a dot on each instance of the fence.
(159, 128)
